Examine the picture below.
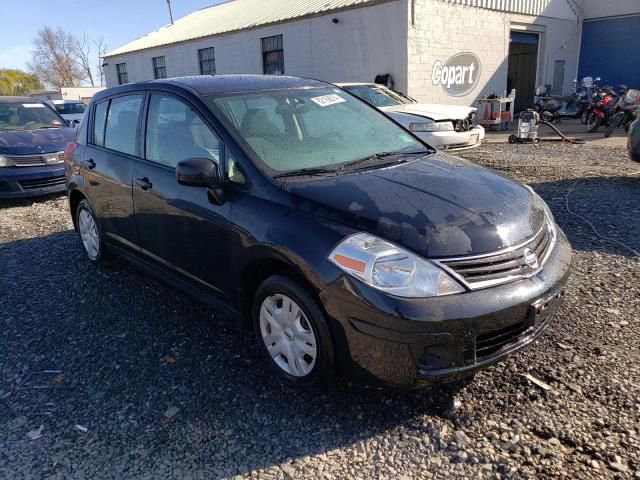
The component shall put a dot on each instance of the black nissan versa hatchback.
(344, 241)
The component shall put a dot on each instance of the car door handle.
(144, 183)
(91, 164)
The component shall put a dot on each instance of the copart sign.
(459, 75)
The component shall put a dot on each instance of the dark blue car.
(32, 141)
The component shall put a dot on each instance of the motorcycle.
(626, 109)
(556, 107)
(600, 109)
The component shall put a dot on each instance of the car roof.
(221, 84)
(19, 100)
(61, 102)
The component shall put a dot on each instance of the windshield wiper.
(303, 172)
(381, 156)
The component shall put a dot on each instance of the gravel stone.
(109, 330)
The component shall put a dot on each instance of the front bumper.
(405, 342)
(21, 182)
(454, 141)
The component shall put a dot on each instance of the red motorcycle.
(601, 109)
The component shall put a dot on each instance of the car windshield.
(297, 129)
(28, 116)
(377, 96)
(67, 108)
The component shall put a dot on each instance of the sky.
(118, 21)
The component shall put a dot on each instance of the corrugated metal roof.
(548, 8)
(233, 15)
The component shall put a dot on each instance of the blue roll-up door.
(611, 50)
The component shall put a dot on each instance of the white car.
(445, 127)
(71, 110)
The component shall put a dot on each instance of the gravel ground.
(144, 382)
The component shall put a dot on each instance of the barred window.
(159, 67)
(207, 61)
(273, 55)
(123, 78)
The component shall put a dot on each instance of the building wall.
(357, 48)
(442, 28)
(600, 9)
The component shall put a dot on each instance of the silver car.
(445, 127)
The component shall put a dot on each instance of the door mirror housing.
(199, 172)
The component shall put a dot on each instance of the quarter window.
(100, 119)
(121, 132)
(207, 61)
(159, 67)
(176, 132)
(123, 77)
(273, 55)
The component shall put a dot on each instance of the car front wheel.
(89, 232)
(292, 332)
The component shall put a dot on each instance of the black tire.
(102, 257)
(513, 139)
(324, 368)
(584, 117)
(593, 123)
(613, 126)
(547, 116)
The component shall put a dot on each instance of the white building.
(505, 44)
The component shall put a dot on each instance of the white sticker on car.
(326, 100)
(33, 105)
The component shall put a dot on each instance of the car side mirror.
(198, 172)
(202, 172)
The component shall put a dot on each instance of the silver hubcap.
(89, 233)
(288, 335)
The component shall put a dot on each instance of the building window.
(273, 55)
(123, 78)
(159, 67)
(207, 60)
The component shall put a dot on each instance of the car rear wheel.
(90, 235)
(292, 332)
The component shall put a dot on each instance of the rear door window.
(121, 132)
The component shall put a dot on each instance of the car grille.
(462, 125)
(501, 267)
(36, 160)
(490, 343)
(42, 183)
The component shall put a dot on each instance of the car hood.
(438, 206)
(33, 142)
(433, 111)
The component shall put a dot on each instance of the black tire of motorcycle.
(593, 127)
(584, 117)
(613, 126)
(547, 116)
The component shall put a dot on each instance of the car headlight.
(5, 162)
(431, 127)
(391, 269)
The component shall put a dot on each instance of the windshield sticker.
(33, 105)
(326, 100)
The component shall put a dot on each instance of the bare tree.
(54, 58)
(82, 53)
(101, 47)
